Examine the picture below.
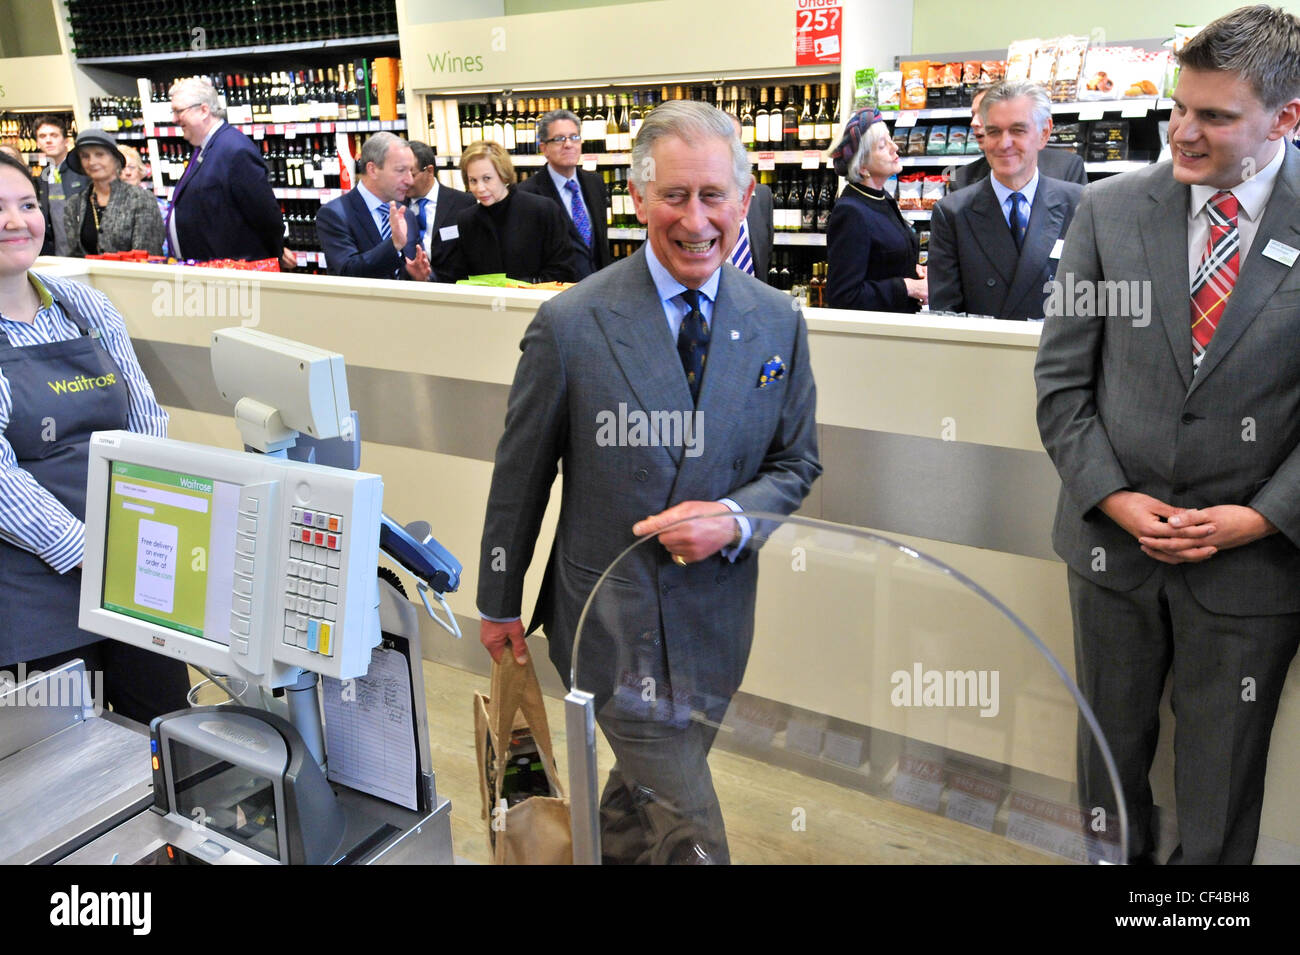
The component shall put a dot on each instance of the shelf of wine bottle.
(260, 130)
(119, 31)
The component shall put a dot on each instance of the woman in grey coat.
(111, 216)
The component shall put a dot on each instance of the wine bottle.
(807, 135)
(808, 212)
(789, 124)
(762, 136)
(747, 131)
(822, 122)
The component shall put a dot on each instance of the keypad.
(311, 587)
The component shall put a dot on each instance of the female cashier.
(871, 250)
(67, 369)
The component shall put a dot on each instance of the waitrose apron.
(38, 607)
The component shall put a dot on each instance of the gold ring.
(679, 560)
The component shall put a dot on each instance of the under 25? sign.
(817, 32)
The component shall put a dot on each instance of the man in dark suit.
(1175, 427)
(436, 207)
(57, 185)
(636, 335)
(1057, 163)
(753, 249)
(580, 193)
(223, 207)
(367, 232)
(994, 246)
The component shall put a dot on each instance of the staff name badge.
(1281, 252)
(1058, 248)
(447, 233)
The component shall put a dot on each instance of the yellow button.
(323, 636)
(155, 763)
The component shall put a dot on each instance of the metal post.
(584, 801)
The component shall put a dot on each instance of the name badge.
(1281, 252)
(448, 232)
(1058, 248)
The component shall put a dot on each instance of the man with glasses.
(581, 193)
(223, 207)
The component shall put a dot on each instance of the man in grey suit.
(994, 247)
(1057, 163)
(673, 331)
(1171, 408)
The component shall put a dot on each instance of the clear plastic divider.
(827, 696)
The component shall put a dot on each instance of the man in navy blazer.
(223, 207)
(994, 246)
(436, 206)
(561, 169)
(351, 228)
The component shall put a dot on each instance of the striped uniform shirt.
(30, 516)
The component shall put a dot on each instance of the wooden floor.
(761, 804)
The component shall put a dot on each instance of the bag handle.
(515, 690)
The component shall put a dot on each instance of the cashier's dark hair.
(1261, 44)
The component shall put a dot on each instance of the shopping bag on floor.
(523, 799)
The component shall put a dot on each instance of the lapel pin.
(735, 335)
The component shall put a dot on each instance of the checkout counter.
(926, 427)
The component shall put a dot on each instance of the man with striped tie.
(368, 233)
(580, 193)
(753, 249)
(1176, 432)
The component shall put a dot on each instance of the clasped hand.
(1176, 535)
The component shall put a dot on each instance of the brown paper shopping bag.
(534, 831)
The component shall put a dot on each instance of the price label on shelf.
(301, 258)
(766, 161)
(1091, 111)
(1138, 108)
(259, 132)
(291, 131)
(812, 159)
(906, 118)
(589, 161)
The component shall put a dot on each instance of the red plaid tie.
(1217, 273)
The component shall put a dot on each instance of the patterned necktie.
(422, 217)
(1217, 273)
(579, 211)
(1015, 221)
(385, 232)
(741, 256)
(171, 206)
(693, 342)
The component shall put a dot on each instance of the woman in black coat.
(872, 250)
(522, 235)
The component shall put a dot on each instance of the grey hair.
(870, 139)
(200, 92)
(375, 150)
(690, 122)
(1260, 44)
(1004, 92)
(554, 116)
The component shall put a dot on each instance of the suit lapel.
(989, 224)
(1163, 227)
(1045, 218)
(638, 335)
(362, 219)
(1259, 276)
(205, 155)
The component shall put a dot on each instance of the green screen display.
(156, 556)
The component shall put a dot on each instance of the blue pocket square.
(773, 370)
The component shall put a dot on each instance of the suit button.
(641, 474)
(666, 589)
(737, 464)
(1188, 418)
(720, 579)
(990, 282)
